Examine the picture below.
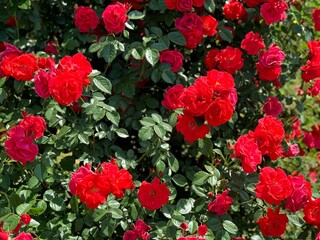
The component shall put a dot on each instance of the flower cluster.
(210, 99)
(140, 231)
(264, 140)
(93, 188)
(20, 145)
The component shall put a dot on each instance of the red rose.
(21, 67)
(119, 179)
(230, 60)
(25, 218)
(210, 60)
(312, 212)
(20, 147)
(311, 70)
(51, 47)
(273, 12)
(46, 63)
(153, 195)
(274, 224)
(184, 5)
(24, 236)
(202, 229)
(85, 19)
(78, 64)
(41, 82)
(140, 229)
(209, 25)
(273, 186)
(252, 3)
(269, 65)
(252, 43)
(115, 17)
(34, 126)
(66, 87)
(171, 4)
(246, 149)
(198, 97)
(7, 49)
(312, 139)
(272, 106)
(316, 18)
(219, 112)
(93, 189)
(234, 10)
(221, 204)
(220, 81)
(4, 235)
(269, 134)
(314, 48)
(315, 89)
(173, 57)
(78, 176)
(190, 129)
(300, 195)
(172, 97)
(191, 27)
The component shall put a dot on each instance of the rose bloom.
(93, 189)
(78, 176)
(252, 43)
(7, 49)
(65, 87)
(140, 229)
(153, 195)
(234, 10)
(300, 195)
(172, 97)
(41, 81)
(24, 236)
(4, 235)
(312, 139)
(272, 106)
(51, 47)
(219, 112)
(293, 150)
(220, 81)
(221, 204)
(273, 186)
(198, 3)
(173, 57)
(114, 17)
(85, 19)
(119, 179)
(274, 224)
(252, 3)
(312, 212)
(34, 126)
(19, 147)
(246, 149)
(210, 60)
(316, 18)
(202, 229)
(25, 218)
(78, 64)
(315, 89)
(184, 5)
(198, 97)
(269, 65)
(311, 70)
(21, 67)
(230, 60)
(209, 25)
(273, 12)
(191, 27)
(190, 129)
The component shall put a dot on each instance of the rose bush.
(159, 119)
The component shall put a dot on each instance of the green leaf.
(25, 5)
(209, 5)
(83, 138)
(177, 38)
(114, 117)
(168, 76)
(102, 84)
(40, 208)
(122, 132)
(173, 163)
(116, 213)
(33, 182)
(2, 81)
(109, 53)
(200, 178)
(98, 214)
(226, 34)
(230, 226)
(23, 208)
(11, 222)
(295, 220)
(137, 53)
(184, 206)
(136, 15)
(95, 47)
(57, 204)
(160, 131)
(145, 133)
(148, 122)
(19, 86)
(152, 56)
(180, 180)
